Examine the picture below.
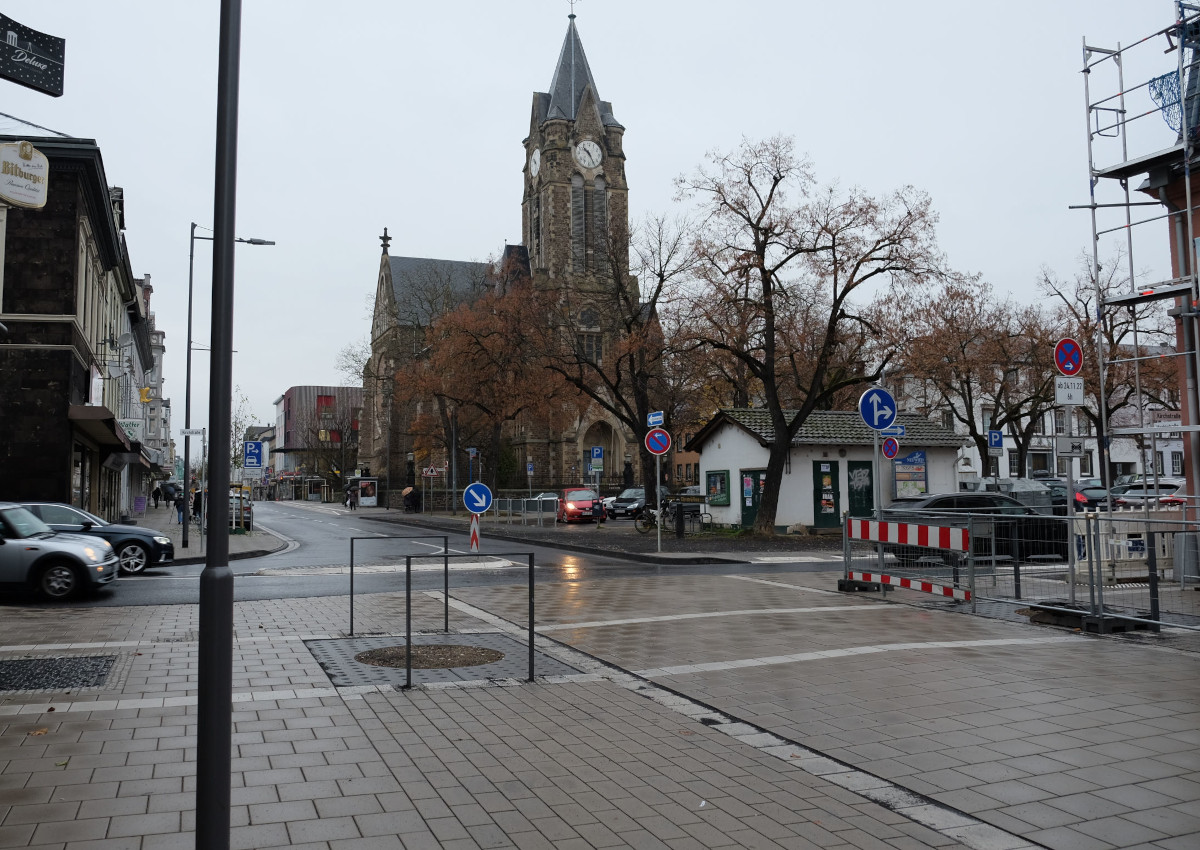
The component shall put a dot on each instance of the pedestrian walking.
(198, 506)
(353, 500)
(156, 495)
(180, 505)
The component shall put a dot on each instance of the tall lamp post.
(187, 393)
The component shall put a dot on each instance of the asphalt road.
(316, 562)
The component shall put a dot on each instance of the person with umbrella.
(352, 497)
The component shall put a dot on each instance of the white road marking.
(668, 618)
(799, 587)
(825, 655)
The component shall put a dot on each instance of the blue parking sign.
(252, 454)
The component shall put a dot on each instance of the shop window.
(716, 486)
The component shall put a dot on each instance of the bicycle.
(648, 519)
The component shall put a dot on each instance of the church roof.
(426, 288)
(571, 76)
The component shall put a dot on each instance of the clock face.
(587, 154)
(535, 162)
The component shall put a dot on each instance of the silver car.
(35, 557)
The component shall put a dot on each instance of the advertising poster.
(911, 475)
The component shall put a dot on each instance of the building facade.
(77, 350)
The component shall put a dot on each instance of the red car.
(579, 503)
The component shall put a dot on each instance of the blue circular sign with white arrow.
(877, 408)
(477, 497)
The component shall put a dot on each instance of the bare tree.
(785, 273)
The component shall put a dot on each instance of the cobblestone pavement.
(757, 709)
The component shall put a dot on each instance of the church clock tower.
(575, 195)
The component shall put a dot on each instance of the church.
(574, 223)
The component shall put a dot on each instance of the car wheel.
(57, 581)
(133, 557)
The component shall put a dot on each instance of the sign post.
(478, 498)
(658, 443)
(1068, 392)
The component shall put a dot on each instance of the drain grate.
(34, 674)
(336, 658)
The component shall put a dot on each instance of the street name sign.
(192, 432)
(1068, 391)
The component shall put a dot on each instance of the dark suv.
(1002, 527)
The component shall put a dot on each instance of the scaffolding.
(1148, 131)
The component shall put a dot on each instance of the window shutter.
(578, 233)
(600, 224)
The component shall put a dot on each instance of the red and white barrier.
(913, 584)
(909, 534)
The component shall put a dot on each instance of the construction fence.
(1098, 572)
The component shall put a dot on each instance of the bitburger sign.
(24, 175)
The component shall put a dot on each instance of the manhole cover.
(39, 674)
(338, 659)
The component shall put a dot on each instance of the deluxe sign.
(24, 175)
(32, 59)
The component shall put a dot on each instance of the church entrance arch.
(603, 435)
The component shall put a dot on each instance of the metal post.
(658, 498)
(187, 391)
(445, 588)
(215, 669)
(530, 616)
(1092, 529)
(408, 621)
(878, 488)
(971, 563)
(1152, 565)
(351, 587)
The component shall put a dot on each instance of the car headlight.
(91, 553)
(162, 540)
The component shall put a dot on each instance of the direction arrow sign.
(1068, 357)
(877, 408)
(653, 420)
(477, 497)
(658, 441)
(893, 431)
(891, 447)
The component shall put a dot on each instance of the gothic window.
(535, 230)
(591, 344)
(578, 224)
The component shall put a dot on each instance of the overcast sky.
(409, 115)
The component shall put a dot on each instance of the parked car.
(136, 547)
(1138, 494)
(579, 503)
(690, 500)
(1087, 498)
(247, 507)
(36, 557)
(628, 504)
(1017, 531)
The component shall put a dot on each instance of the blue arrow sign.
(653, 420)
(477, 497)
(877, 408)
(894, 431)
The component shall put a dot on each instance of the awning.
(99, 423)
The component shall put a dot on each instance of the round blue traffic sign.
(1068, 357)
(877, 408)
(658, 441)
(477, 497)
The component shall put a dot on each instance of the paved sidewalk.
(252, 544)
(760, 709)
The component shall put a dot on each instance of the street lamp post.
(187, 392)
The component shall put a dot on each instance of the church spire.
(571, 76)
